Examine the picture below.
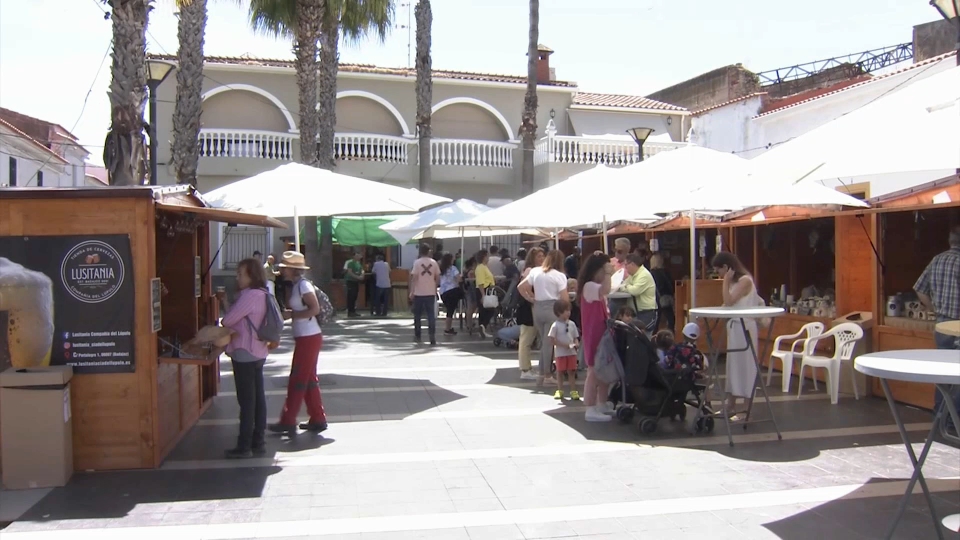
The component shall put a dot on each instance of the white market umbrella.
(438, 222)
(295, 189)
(912, 129)
(569, 203)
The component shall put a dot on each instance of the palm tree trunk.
(424, 90)
(528, 126)
(309, 15)
(327, 104)
(327, 116)
(186, 112)
(124, 149)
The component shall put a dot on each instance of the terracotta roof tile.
(730, 102)
(627, 102)
(366, 68)
(22, 135)
(844, 87)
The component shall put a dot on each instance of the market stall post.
(130, 403)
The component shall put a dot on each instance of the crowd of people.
(564, 302)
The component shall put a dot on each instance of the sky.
(54, 61)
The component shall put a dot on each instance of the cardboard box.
(36, 442)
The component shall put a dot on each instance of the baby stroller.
(650, 391)
(509, 336)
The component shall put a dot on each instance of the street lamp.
(950, 9)
(640, 135)
(157, 72)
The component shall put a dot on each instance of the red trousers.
(304, 385)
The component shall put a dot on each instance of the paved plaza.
(446, 443)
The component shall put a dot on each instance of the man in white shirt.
(381, 291)
(494, 263)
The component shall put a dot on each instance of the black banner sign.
(67, 300)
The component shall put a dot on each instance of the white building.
(35, 153)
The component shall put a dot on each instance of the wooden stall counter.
(895, 338)
(134, 263)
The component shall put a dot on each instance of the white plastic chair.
(845, 338)
(809, 330)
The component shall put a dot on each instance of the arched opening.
(467, 121)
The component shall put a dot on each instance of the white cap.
(691, 330)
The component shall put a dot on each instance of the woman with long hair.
(739, 290)
(485, 282)
(450, 291)
(528, 332)
(303, 307)
(542, 287)
(665, 290)
(594, 283)
(248, 354)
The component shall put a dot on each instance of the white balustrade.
(592, 151)
(246, 143)
(471, 153)
(368, 147)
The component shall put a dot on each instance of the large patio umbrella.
(295, 189)
(914, 128)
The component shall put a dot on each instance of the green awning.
(360, 231)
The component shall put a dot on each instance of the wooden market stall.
(913, 226)
(131, 272)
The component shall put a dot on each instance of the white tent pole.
(606, 248)
(693, 259)
(296, 228)
(463, 255)
(556, 239)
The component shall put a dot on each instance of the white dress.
(741, 369)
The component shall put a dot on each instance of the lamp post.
(950, 10)
(157, 72)
(640, 135)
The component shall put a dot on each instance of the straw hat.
(293, 259)
(218, 336)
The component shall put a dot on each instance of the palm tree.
(528, 126)
(186, 112)
(355, 19)
(124, 149)
(424, 64)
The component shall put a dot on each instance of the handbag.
(490, 300)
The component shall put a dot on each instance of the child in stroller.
(651, 391)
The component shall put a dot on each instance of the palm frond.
(274, 18)
(360, 19)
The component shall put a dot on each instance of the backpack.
(272, 324)
(327, 312)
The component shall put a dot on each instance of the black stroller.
(652, 392)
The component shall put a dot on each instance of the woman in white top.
(542, 287)
(739, 290)
(303, 307)
(450, 291)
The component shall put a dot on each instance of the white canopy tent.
(295, 189)
(912, 129)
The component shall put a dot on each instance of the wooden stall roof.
(178, 199)
(224, 216)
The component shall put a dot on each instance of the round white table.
(939, 367)
(718, 315)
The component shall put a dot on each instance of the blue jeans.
(381, 297)
(948, 343)
(425, 305)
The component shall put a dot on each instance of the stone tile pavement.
(448, 443)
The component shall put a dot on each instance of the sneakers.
(238, 453)
(606, 408)
(482, 331)
(528, 375)
(594, 414)
(319, 427)
(574, 395)
(558, 394)
(283, 429)
(450, 332)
